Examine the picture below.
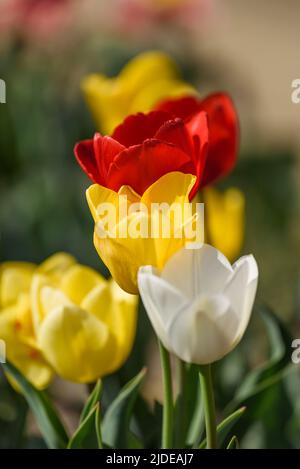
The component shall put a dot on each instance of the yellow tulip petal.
(146, 68)
(118, 310)
(55, 266)
(143, 82)
(225, 218)
(77, 345)
(79, 281)
(15, 278)
(171, 188)
(123, 309)
(149, 96)
(105, 99)
(39, 281)
(97, 195)
(27, 358)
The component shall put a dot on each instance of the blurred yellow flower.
(16, 324)
(123, 253)
(225, 220)
(144, 81)
(84, 324)
(66, 318)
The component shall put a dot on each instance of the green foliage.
(117, 418)
(47, 419)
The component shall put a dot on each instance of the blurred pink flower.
(35, 19)
(139, 14)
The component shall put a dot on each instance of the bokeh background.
(248, 49)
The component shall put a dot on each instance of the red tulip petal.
(141, 165)
(174, 131)
(223, 137)
(139, 127)
(106, 149)
(84, 152)
(180, 107)
(197, 126)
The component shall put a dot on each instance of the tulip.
(143, 82)
(123, 253)
(187, 135)
(199, 305)
(16, 324)
(85, 325)
(225, 220)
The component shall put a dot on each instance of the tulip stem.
(167, 430)
(207, 393)
(180, 423)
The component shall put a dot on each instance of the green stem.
(180, 404)
(167, 430)
(209, 405)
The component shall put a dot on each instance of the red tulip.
(186, 135)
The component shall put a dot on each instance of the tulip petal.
(97, 195)
(146, 68)
(196, 270)
(106, 149)
(173, 187)
(147, 98)
(79, 281)
(139, 127)
(76, 344)
(85, 155)
(15, 278)
(161, 300)
(223, 137)
(241, 290)
(200, 334)
(55, 266)
(142, 165)
(175, 132)
(25, 356)
(180, 107)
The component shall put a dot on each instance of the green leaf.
(47, 419)
(85, 430)
(93, 398)
(270, 373)
(196, 426)
(225, 426)
(233, 443)
(98, 427)
(115, 429)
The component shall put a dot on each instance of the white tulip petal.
(241, 291)
(195, 271)
(201, 335)
(161, 300)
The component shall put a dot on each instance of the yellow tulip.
(225, 220)
(123, 253)
(84, 324)
(16, 327)
(146, 80)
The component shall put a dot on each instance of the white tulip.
(199, 305)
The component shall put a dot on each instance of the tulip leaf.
(93, 398)
(225, 426)
(115, 428)
(233, 443)
(85, 431)
(47, 419)
(98, 427)
(270, 373)
(196, 426)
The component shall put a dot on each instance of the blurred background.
(248, 49)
